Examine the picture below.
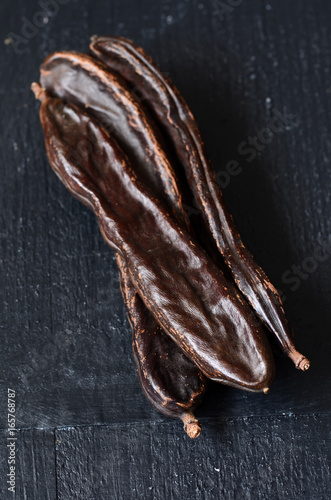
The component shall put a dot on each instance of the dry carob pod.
(178, 282)
(108, 97)
(169, 380)
(170, 109)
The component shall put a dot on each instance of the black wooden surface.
(85, 430)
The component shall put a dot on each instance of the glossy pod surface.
(187, 294)
(172, 113)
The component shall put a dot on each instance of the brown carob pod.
(169, 380)
(170, 109)
(181, 286)
(74, 74)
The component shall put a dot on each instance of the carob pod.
(187, 294)
(78, 78)
(170, 109)
(169, 380)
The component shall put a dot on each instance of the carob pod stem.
(169, 380)
(170, 109)
(188, 295)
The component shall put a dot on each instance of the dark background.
(85, 430)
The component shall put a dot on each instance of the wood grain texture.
(65, 340)
(35, 465)
(232, 459)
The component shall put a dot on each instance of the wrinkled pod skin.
(169, 380)
(169, 108)
(119, 113)
(180, 285)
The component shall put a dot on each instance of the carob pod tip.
(191, 425)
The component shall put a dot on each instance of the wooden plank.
(35, 475)
(253, 458)
(65, 339)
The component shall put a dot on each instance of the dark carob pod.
(78, 78)
(167, 105)
(169, 380)
(178, 282)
